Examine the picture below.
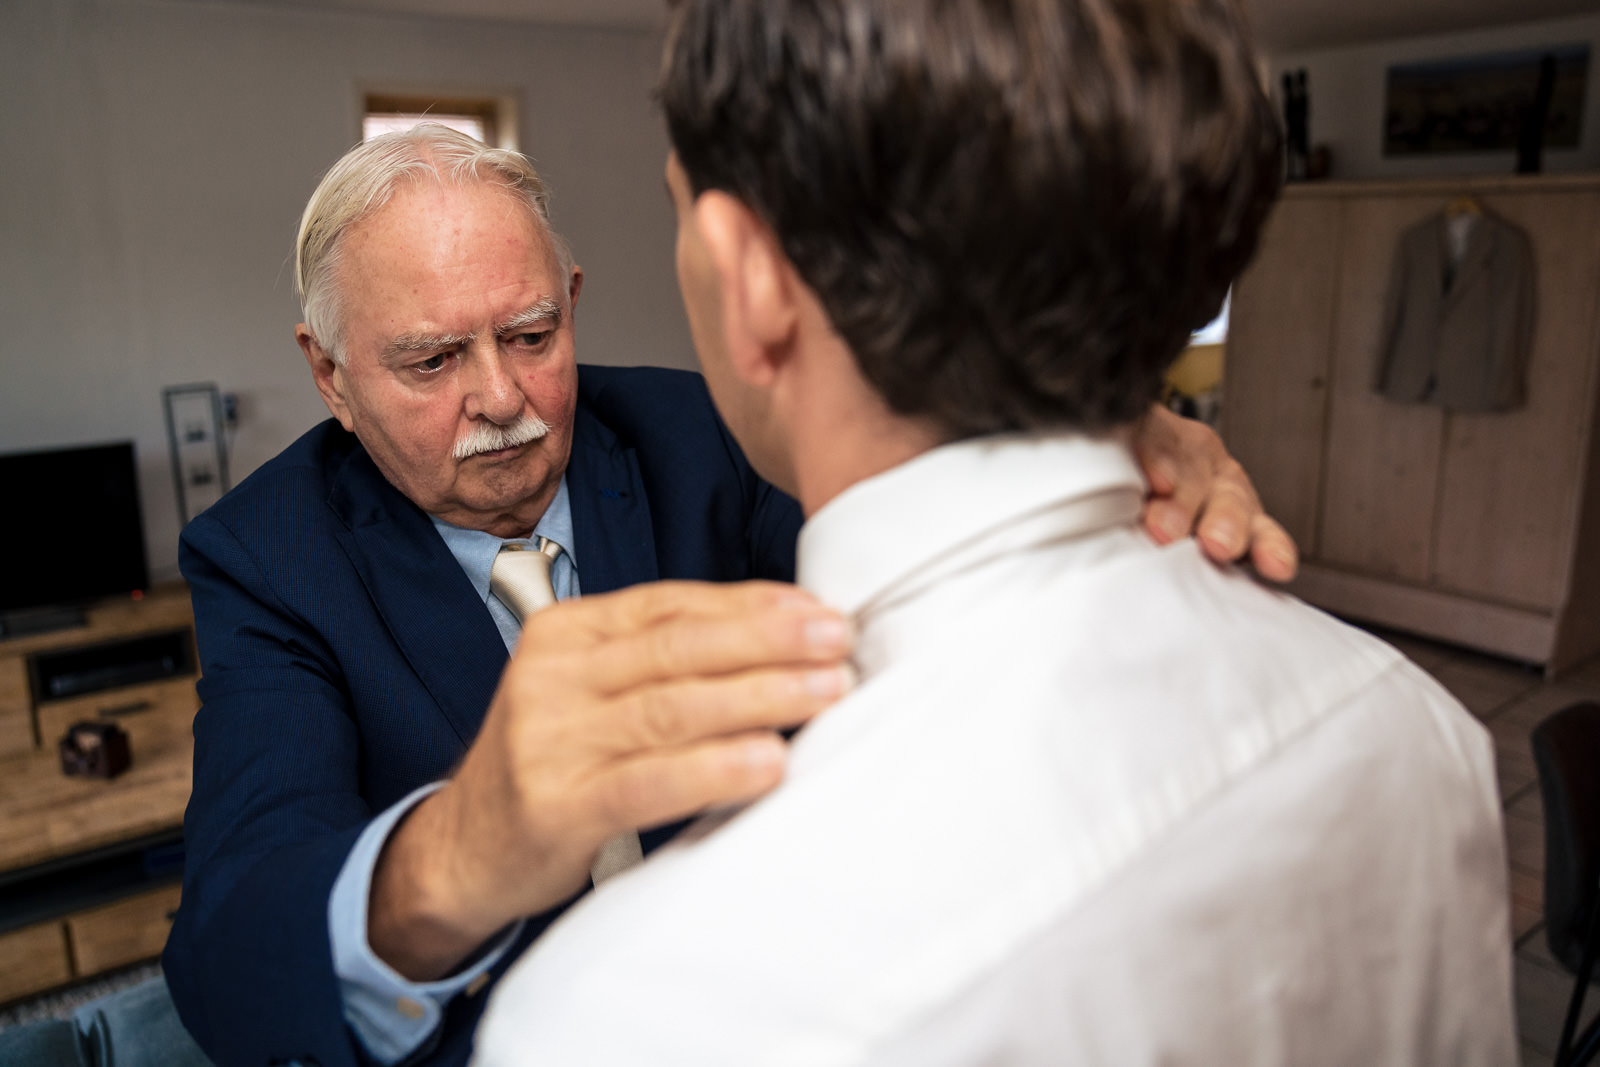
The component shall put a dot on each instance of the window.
(1215, 332)
(491, 120)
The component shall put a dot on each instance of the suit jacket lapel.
(424, 597)
(610, 515)
(1474, 261)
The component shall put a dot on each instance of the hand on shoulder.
(617, 712)
(1198, 490)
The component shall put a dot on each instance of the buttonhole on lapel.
(612, 494)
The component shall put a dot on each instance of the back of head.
(367, 177)
(1014, 212)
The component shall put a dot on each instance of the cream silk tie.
(520, 577)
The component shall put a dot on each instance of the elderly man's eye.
(531, 339)
(432, 364)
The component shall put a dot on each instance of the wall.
(158, 154)
(1347, 105)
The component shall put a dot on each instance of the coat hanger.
(1465, 204)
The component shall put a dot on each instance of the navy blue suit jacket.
(346, 660)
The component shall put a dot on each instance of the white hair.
(365, 179)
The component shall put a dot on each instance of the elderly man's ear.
(758, 289)
(325, 372)
(574, 287)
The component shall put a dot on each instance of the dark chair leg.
(1589, 1042)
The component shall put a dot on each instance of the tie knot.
(520, 577)
(542, 544)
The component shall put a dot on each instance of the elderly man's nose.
(495, 394)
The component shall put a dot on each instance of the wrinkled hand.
(1192, 477)
(616, 712)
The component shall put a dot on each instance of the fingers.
(687, 711)
(1166, 521)
(1272, 550)
(1156, 438)
(1198, 489)
(629, 611)
(1173, 517)
(1229, 516)
(687, 746)
(778, 634)
(659, 787)
(1180, 458)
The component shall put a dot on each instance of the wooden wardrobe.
(1479, 529)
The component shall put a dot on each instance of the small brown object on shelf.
(95, 750)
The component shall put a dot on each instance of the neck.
(852, 458)
(842, 432)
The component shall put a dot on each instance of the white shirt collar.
(890, 535)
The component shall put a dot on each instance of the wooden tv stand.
(89, 868)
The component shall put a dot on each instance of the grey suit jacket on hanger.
(1458, 335)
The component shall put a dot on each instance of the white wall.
(1347, 87)
(157, 154)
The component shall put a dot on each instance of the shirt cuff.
(393, 1017)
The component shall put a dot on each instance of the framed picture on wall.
(199, 452)
(1480, 103)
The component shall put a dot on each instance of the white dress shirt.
(1093, 802)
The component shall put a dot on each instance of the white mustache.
(488, 437)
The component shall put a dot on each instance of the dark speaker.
(147, 658)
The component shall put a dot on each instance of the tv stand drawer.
(125, 932)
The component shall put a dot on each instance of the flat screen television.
(72, 532)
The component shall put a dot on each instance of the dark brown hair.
(1013, 211)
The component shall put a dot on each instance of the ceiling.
(1281, 25)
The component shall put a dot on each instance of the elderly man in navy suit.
(376, 829)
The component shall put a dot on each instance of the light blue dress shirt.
(392, 1016)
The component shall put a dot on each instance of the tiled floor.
(1511, 700)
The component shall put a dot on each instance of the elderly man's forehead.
(431, 196)
(425, 219)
